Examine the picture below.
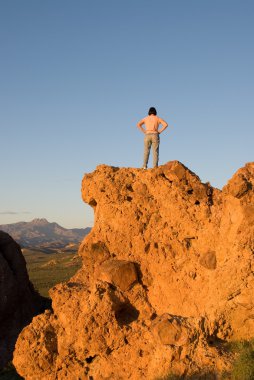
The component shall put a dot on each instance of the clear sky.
(77, 75)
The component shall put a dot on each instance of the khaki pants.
(154, 140)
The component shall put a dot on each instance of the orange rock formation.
(167, 277)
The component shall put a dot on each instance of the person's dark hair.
(152, 111)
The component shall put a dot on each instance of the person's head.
(152, 111)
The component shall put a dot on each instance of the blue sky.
(76, 76)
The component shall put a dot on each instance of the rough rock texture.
(18, 300)
(167, 277)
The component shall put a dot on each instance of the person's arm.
(164, 125)
(139, 125)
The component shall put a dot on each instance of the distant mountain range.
(43, 235)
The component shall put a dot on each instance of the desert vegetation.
(243, 365)
(47, 270)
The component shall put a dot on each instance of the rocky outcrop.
(18, 300)
(167, 277)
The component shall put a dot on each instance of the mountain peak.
(39, 221)
(39, 233)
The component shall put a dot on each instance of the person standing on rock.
(152, 138)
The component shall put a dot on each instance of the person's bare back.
(152, 132)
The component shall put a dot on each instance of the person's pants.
(154, 140)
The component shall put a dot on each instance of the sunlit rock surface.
(167, 276)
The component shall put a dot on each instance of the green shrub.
(243, 366)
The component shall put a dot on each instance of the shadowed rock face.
(167, 272)
(18, 300)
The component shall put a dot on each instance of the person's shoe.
(144, 167)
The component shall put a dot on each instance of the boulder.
(173, 330)
(120, 273)
(208, 260)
